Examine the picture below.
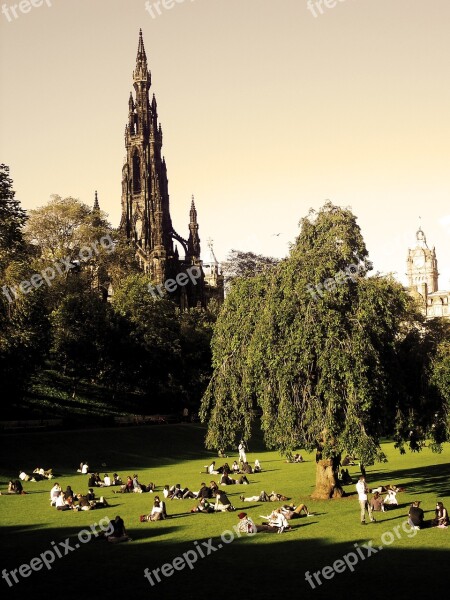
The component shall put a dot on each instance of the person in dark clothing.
(69, 492)
(119, 532)
(415, 516)
(222, 502)
(204, 492)
(440, 516)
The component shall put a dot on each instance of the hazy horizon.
(266, 111)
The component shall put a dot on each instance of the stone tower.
(422, 272)
(146, 216)
(422, 267)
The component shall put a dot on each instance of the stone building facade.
(146, 218)
(422, 272)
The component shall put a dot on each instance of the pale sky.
(266, 111)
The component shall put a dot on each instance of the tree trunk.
(327, 483)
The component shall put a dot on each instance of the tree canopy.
(314, 343)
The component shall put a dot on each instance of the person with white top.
(242, 454)
(54, 493)
(107, 480)
(362, 490)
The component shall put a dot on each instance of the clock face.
(419, 260)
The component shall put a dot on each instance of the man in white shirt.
(242, 454)
(107, 480)
(362, 490)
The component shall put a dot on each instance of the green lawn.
(262, 566)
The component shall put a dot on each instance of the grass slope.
(262, 566)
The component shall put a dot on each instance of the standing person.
(242, 452)
(362, 490)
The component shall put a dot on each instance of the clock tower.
(422, 270)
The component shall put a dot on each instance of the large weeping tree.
(313, 342)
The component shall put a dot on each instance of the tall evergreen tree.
(12, 216)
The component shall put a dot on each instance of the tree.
(313, 343)
(153, 338)
(12, 217)
(59, 229)
(246, 264)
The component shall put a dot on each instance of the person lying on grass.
(203, 507)
(227, 480)
(294, 512)
(263, 497)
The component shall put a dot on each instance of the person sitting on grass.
(277, 522)
(257, 467)
(345, 477)
(18, 488)
(440, 516)
(163, 506)
(416, 515)
(69, 492)
(235, 467)
(119, 533)
(377, 502)
(62, 503)
(53, 493)
(150, 488)
(116, 480)
(204, 492)
(211, 469)
(126, 487)
(156, 513)
(247, 469)
(222, 504)
(391, 497)
(83, 502)
(225, 469)
(246, 524)
(214, 488)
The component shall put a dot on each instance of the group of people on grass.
(378, 503)
(68, 500)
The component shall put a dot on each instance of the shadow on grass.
(273, 565)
